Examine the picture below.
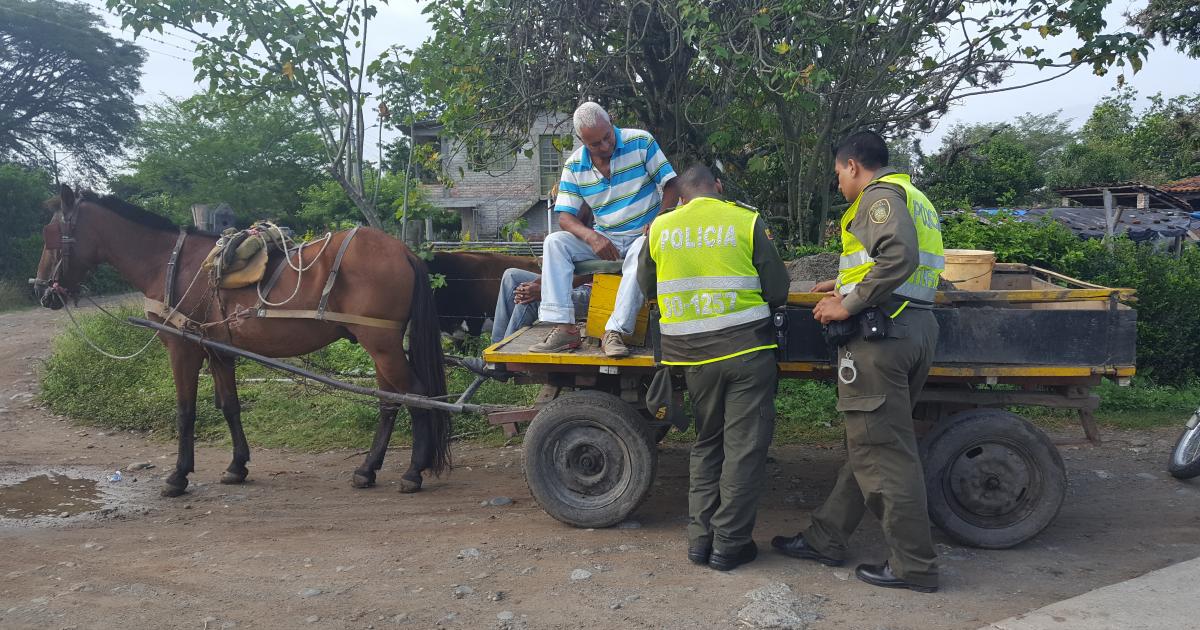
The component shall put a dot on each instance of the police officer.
(717, 276)
(890, 264)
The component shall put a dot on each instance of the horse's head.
(65, 260)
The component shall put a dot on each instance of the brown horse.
(472, 284)
(379, 278)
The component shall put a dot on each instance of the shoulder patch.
(767, 231)
(880, 211)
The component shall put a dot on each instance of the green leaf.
(782, 48)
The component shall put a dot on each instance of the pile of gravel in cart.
(809, 270)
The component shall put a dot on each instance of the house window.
(426, 159)
(550, 159)
(495, 155)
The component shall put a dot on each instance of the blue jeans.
(511, 317)
(560, 252)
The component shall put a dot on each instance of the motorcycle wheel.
(1185, 459)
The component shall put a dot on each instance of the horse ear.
(66, 198)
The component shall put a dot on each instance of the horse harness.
(171, 315)
(58, 236)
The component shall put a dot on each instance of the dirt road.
(297, 547)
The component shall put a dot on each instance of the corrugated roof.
(1137, 224)
(1124, 194)
(1185, 185)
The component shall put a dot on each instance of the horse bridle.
(58, 236)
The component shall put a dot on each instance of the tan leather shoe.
(613, 345)
(563, 338)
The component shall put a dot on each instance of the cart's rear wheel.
(588, 459)
(993, 479)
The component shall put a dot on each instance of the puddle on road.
(31, 497)
(49, 495)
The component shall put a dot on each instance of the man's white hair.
(589, 115)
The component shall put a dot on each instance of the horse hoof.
(360, 480)
(229, 477)
(169, 491)
(408, 486)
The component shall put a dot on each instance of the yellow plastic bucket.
(969, 269)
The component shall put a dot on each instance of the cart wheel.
(993, 479)
(1185, 458)
(588, 459)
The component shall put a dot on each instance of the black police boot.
(881, 575)
(730, 561)
(699, 552)
(797, 547)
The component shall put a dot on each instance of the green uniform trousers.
(882, 472)
(734, 404)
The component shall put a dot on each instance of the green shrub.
(1045, 243)
(1168, 302)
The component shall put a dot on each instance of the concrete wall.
(489, 200)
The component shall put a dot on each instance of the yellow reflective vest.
(707, 281)
(856, 262)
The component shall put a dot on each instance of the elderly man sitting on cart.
(626, 179)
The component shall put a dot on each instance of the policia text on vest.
(716, 275)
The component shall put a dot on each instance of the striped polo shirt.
(629, 199)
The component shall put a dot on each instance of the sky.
(168, 71)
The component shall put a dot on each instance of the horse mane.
(131, 212)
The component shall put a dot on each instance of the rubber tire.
(617, 427)
(962, 433)
(1189, 470)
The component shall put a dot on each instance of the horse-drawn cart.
(994, 479)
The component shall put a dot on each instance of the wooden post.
(1110, 219)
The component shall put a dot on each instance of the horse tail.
(428, 363)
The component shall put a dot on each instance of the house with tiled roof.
(1187, 189)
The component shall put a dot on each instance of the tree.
(765, 87)
(22, 192)
(1117, 144)
(323, 204)
(66, 86)
(257, 156)
(315, 51)
(1173, 21)
(1165, 142)
(994, 165)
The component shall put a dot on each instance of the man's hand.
(527, 292)
(824, 287)
(602, 247)
(830, 309)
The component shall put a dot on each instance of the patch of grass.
(1142, 405)
(140, 394)
(805, 413)
(13, 297)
